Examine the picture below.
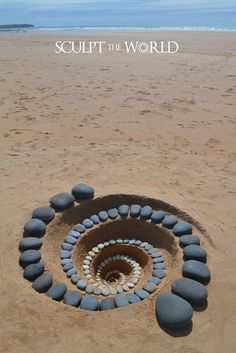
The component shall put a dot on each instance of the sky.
(147, 13)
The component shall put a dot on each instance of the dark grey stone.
(188, 239)
(66, 246)
(196, 270)
(133, 298)
(79, 228)
(62, 201)
(141, 293)
(57, 291)
(32, 271)
(173, 311)
(157, 216)
(68, 267)
(34, 228)
(159, 266)
(65, 254)
(82, 191)
(72, 297)
(121, 300)
(107, 304)
(29, 257)
(95, 219)
(146, 212)
(190, 290)
(42, 283)
(155, 280)
(30, 243)
(182, 228)
(159, 273)
(87, 223)
(46, 214)
(123, 210)
(103, 216)
(169, 221)
(195, 252)
(74, 234)
(113, 213)
(89, 302)
(135, 210)
(70, 240)
(71, 272)
(150, 287)
(158, 260)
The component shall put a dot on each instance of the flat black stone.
(89, 302)
(30, 243)
(146, 212)
(57, 291)
(32, 271)
(46, 214)
(79, 228)
(159, 273)
(103, 216)
(42, 283)
(87, 223)
(121, 300)
(169, 221)
(190, 290)
(107, 304)
(141, 293)
(62, 201)
(182, 228)
(34, 228)
(113, 213)
(159, 266)
(173, 311)
(95, 219)
(135, 210)
(72, 297)
(133, 298)
(157, 216)
(195, 252)
(150, 287)
(29, 257)
(123, 210)
(188, 239)
(82, 191)
(155, 280)
(196, 270)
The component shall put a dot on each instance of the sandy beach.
(161, 126)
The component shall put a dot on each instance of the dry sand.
(161, 126)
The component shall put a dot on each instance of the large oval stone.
(89, 302)
(43, 283)
(30, 243)
(123, 210)
(135, 210)
(173, 311)
(46, 214)
(103, 216)
(169, 221)
(113, 213)
(188, 239)
(157, 216)
(87, 223)
(182, 228)
(66, 246)
(57, 291)
(34, 228)
(121, 300)
(82, 191)
(196, 270)
(80, 228)
(62, 201)
(190, 290)
(70, 240)
(107, 304)
(32, 271)
(29, 257)
(146, 212)
(195, 252)
(95, 219)
(65, 254)
(72, 297)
